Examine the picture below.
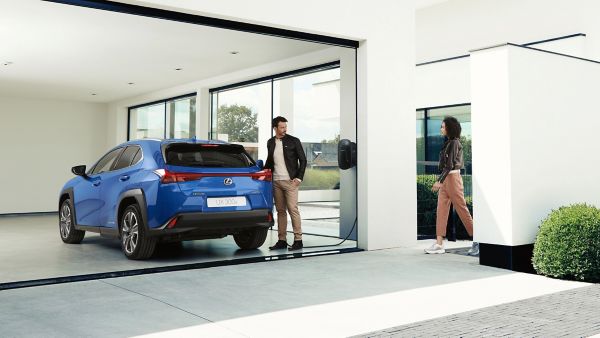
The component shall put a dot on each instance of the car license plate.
(219, 202)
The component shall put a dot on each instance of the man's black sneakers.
(279, 245)
(296, 246)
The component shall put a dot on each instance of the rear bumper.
(216, 223)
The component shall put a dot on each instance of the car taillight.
(171, 177)
(263, 175)
(270, 217)
(172, 222)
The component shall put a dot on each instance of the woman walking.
(450, 187)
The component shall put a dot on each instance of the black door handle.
(124, 178)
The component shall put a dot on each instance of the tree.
(335, 140)
(238, 122)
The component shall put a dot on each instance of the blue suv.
(150, 191)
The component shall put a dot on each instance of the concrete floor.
(326, 296)
(31, 248)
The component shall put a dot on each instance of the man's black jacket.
(293, 153)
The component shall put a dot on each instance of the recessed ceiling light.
(178, 68)
(7, 63)
(234, 52)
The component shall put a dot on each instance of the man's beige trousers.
(286, 197)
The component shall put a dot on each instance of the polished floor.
(31, 249)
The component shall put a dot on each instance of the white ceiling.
(66, 52)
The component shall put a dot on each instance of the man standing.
(287, 160)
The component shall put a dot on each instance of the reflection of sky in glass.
(182, 118)
(151, 121)
(316, 106)
(256, 97)
(461, 113)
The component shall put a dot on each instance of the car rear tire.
(66, 224)
(251, 239)
(135, 242)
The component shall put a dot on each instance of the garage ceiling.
(66, 52)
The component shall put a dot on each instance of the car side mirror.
(346, 154)
(260, 164)
(79, 170)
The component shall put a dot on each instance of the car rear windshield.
(207, 155)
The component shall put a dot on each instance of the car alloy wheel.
(65, 220)
(130, 232)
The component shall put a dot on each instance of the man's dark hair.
(453, 128)
(276, 121)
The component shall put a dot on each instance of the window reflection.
(172, 118)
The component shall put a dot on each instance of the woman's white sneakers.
(474, 251)
(435, 249)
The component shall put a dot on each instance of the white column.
(490, 125)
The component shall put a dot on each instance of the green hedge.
(320, 179)
(568, 244)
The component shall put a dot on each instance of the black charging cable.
(330, 245)
(340, 243)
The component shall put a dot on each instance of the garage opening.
(80, 80)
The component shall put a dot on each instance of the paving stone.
(572, 313)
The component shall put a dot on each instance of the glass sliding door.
(310, 101)
(311, 104)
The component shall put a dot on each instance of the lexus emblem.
(228, 181)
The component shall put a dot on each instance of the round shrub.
(568, 244)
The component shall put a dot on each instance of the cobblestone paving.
(573, 313)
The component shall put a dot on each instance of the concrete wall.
(40, 141)
(536, 153)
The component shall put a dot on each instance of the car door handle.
(124, 178)
(97, 183)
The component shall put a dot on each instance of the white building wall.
(443, 83)
(448, 82)
(40, 140)
(386, 193)
(536, 153)
(456, 26)
(490, 128)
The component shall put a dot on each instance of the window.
(170, 118)
(311, 103)
(137, 157)
(182, 117)
(200, 155)
(106, 162)
(429, 139)
(126, 157)
(235, 118)
(420, 141)
(308, 98)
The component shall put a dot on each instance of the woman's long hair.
(453, 128)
